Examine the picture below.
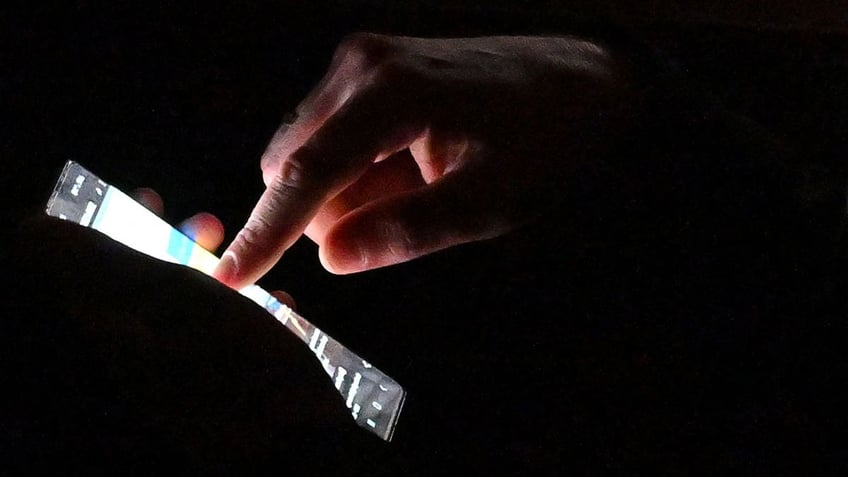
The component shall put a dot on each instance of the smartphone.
(374, 399)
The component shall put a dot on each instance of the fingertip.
(247, 258)
(324, 256)
(150, 199)
(285, 299)
(205, 229)
(227, 270)
(342, 254)
(210, 221)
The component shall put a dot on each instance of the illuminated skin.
(408, 146)
(203, 227)
(373, 398)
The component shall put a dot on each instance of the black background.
(538, 350)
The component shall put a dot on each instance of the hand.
(408, 146)
(204, 228)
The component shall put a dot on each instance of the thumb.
(459, 208)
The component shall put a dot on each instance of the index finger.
(352, 65)
(380, 120)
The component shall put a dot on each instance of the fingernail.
(325, 262)
(227, 268)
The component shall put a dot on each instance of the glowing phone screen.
(374, 399)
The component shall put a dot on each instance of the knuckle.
(303, 169)
(363, 42)
(365, 49)
(269, 167)
(251, 236)
(293, 174)
(269, 162)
